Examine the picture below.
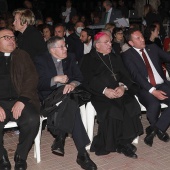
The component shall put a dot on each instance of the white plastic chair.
(37, 155)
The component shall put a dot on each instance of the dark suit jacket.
(75, 46)
(137, 68)
(46, 69)
(114, 15)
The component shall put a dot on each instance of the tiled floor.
(156, 157)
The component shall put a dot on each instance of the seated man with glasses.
(18, 98)
(57, 69)
(113, 99)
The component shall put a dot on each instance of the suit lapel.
(51, 65)
(149, 51)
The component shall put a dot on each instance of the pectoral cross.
(114, 75)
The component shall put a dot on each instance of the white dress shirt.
(87, 47)
(158, 78)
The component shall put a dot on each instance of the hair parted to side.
(129, 33)
(52, 42)
(26, 16)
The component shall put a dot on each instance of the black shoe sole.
(57, 152)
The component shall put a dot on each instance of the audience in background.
(150, 34)
(68, 12)
(111, 14)
(74, 43)
(48, 31)
(29, 38)
(110, 27)
(118, 40)
(86, 37)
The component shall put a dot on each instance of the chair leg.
(83, 115)
(37, 142)
(91, 113)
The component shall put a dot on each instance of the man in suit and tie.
(111, 14)
(58, 68)
(144, 65)
(68, 12)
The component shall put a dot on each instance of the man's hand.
(159, 94)
(114, 93)
(17, 109)
(2, 115)
(68, 88)
(61, 79)
(119, 91)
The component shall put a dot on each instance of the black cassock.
(119, 121)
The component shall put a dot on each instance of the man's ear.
(97, 45)
(51, 51)
(130, 43)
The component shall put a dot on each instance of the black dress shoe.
(126, 150)
(85, 162)
(20, 164)
(4, 163)
(58, 146)
(162, 135)
(149, 130)
(133, 147)
(150, 134)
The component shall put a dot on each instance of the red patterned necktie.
(149, 69)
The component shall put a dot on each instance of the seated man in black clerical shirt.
(57, 69)
(18, 98)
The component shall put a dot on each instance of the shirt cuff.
(52, 82)
(104, 90)
(77, 83)
(121, 84)
(152, 89)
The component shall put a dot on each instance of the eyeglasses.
(62, 47)
(7, 38)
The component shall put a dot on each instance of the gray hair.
(51, 43)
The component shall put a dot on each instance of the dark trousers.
(79, 133)
(153, 107)
(28, 124)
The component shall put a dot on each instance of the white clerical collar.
(7, 54)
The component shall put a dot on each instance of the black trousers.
(28, 124)
(79, 133)
(153, 107)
